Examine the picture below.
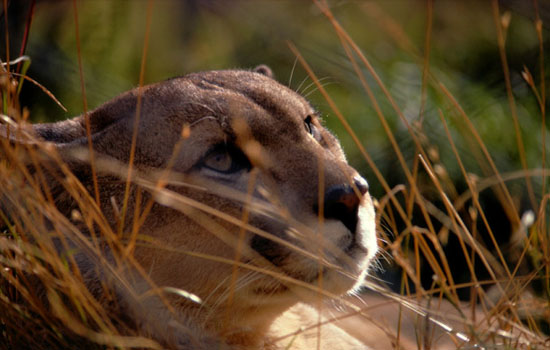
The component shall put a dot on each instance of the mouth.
(353, 248)
(349, 261)
(349, 256)
(271, 290)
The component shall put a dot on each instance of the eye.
(311, 128)
(220, 161)
(225, 159)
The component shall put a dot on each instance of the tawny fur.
(292, 158)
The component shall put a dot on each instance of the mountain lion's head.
(239, 196)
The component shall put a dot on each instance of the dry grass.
(44, 303)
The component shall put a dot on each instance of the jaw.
(302, 279)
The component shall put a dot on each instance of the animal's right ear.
(265, 70)
(70, 133)
(13, 135)
(19, 142)
(73, 131)
(46, 137)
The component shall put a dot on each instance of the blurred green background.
(194, 35)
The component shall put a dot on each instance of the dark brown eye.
(311, 128)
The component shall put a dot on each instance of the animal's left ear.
(265, 70)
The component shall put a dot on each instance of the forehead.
(235, 106)
(271, 112)
(250, 96)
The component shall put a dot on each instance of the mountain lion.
(232, 208)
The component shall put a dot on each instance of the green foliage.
(447, 99)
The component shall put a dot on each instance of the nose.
(341, 202)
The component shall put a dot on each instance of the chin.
(353, 260)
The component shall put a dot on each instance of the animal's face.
(266, 185)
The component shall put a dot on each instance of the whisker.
(314, 84)
(292, 72)
(302, 83)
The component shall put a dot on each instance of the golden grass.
(45, 304)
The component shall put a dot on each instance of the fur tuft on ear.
(265, 70)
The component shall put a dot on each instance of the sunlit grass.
(461, 281)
